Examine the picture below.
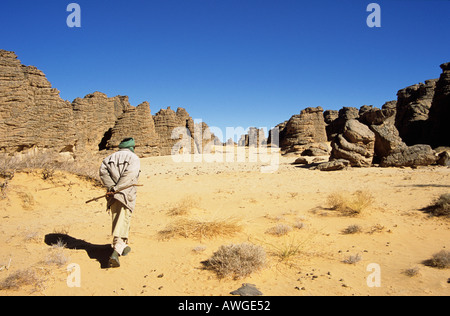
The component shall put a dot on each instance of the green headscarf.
(128, 143)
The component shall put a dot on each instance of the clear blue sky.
(231, 62)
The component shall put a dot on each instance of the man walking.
(119, 170)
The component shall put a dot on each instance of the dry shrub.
(48, 162)
(350, 204)
(440, 260)
(279, 230)
(411, 272)
(184, 206)
(236, 261)
(27, 200)
(353, 259)
(352, 229)
(441, 206)
(199, 229)
(57, 256)
(22, 278)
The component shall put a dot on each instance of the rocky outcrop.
(136, 122)
(302, 130)
(32, 114)
(254, 138)
(356, 144)
(336, 126)
(413, 107)
(370, 115)
(94, 116)
(410, 156)
(439, 115)
(329, 117)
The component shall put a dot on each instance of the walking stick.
(124, 188)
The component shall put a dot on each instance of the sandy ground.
(395, 234)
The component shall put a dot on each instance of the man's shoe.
(114, 260)
(126, 251)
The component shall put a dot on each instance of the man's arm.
(130, 175)
(105, 177)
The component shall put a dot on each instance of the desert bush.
(199, 229)
(411, 272)
(352, 259)
(57, 256)
(27, 200)
(440, 207)
(350, 204)
(352, 229)
(279, 230)
(85, 167)
(22, 278)
(440, 260)
(236, 261)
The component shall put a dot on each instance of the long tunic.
(119, 170)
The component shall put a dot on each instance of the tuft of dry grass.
(353, 259)
(440, 207)
(440, 260)
(352, 229)
(23, 278)
(48, 162)
(411, 272)
(184, 206)
(279, 230)
(350, 204)
(199, 229)
(57, 256)
(236, 261)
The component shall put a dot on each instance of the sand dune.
(394, 234)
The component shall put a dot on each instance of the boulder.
(370, 115)
(336, 126)
(387, 140)
(338, 164)
(412, 156)
(301, 130)
(356, 144)
(301, 161)
(444, 159)
(317, 149)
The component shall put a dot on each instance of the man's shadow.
(101, 253)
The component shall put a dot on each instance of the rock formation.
(31, 111)
(336, 126)
(356, 144)
(302, 130)
(410, 156)
(136, 122)
(94, 116)
(439, 115)
(254, 138)
(413, 107)
(33, 115)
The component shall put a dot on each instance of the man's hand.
(110, 194)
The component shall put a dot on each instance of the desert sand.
(395, 234)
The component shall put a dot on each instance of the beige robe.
(119, 170)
